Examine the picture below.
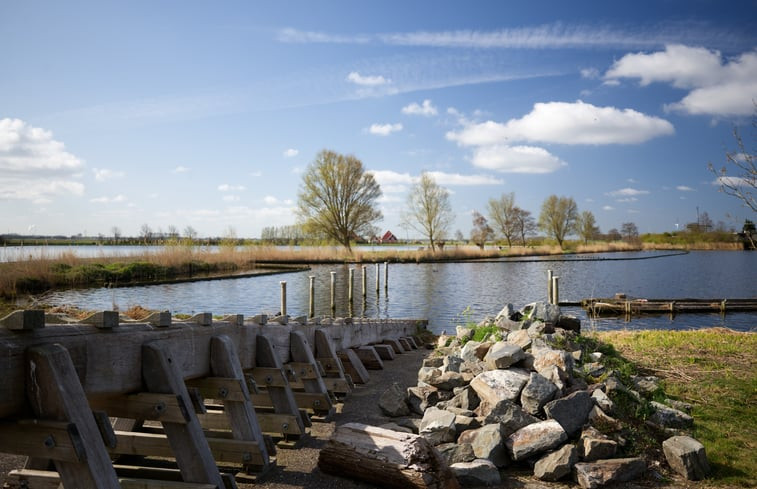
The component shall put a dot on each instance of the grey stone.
(464, 333)
(437, 426)
(557, 376)
(535, 438)
(479, 472)
(503, 354)
(687, 457)
(428, 374)
(520, 338)
(445, 381)
(465, 398)
(498, 385)
(597, 417)
(646, 385)
(593, 369)
(463, 423)
(488, 443)
(571, 411)
(548, 357)
(669, 417)
(591, 475)
(595, 445)
(570, 323)
(556, 465)
(510, 416)
(596, 356)
(393, 401)
(451, 363)
(396, 427)
(433, 362)
(539, 328)
(454, 453)
(603, 401)
(474, 351)
(542, 311)
(419, 398)
(680, 405)
(537, 392)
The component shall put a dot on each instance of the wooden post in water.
(555, 290)
(365, 292)
(333, 292)
(311, 303)
(350, 286)
(378, 275)
(386, 275)
(283, 297)
(549, 286)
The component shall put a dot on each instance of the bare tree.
(629, 231)
(558, 217)
(742, 183)
(429, 210)
(502, 212)
(145, 232)
(481, 231)
(614, 235)
(190, 234)
(338, 198)
(587, 226)
(116, 232)
(525, 225)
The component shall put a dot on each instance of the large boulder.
(669, 417)
(498, 385)
(591, 475)
(556, 465)
(571, 411)
(534, 439)
(537, 392)
(548, 357)
(686, 456)
(393, 401)
(454, 453)
(419, 398)
(438, 426)
(594, 445)
(479, 472)
(503, 354)
(488, 443)
(509, 415)
(465, 398)
(474, 351)
(542, 311)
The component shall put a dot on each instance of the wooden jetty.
(620, 305)
(203, 392)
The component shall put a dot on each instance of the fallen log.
(386, 458)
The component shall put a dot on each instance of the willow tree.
(586, 225)
(428, 210)
(338, 199)
(558, 217)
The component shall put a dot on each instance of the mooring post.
(350, 285)
(311, 303)
(333, 292)
(365, 292)
(549, 287)
(555, 290)
(386, 275)
(283, 297)
(378, 275)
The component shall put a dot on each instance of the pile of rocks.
(521, 398)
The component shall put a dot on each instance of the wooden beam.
(354, 367)
(221, 388)
(300, 350)
(144, 406)
(281, 396)
(54, 440)
(55, 392)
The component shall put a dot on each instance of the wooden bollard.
(377, 279)
(350, 285)
(283, 297)
(311, 303)
(333, 292)
(386, 275)
(555, 290)
(365, 292)
(549, 287)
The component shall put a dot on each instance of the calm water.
(442, 292)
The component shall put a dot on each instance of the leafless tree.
(525, 224)
(481, 231)
(558, 217)
(429, 210)
(502, 212)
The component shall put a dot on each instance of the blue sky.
(205, 114)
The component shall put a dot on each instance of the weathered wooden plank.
(221, 388)
(354, 367)
(300, 350)
(281, 397)
(267, 376)
(33, 479)
(144, 406)
(55, 393)
(187, 441)
(54, 440)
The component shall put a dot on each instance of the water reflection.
(440, 292)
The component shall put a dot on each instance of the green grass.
(715, 371)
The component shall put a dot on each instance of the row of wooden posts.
(332, 290)
(224, 402)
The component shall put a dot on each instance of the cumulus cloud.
(33, 165)
(717, 87)
(627, 192)
(225, 187)
(567, 123)
(367, 80)
(102, 174)
(424, 109)
(396, 182)
(516, 159)
(291, 153)
(384, 129)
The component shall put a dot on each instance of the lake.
(448, 294)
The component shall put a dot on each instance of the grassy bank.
(716, 372)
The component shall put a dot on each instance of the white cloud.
(627, 192)
(516, 159)
(291, 153)
(367, 80)
(425, 109)
(734, 182)
(270, 200)
(608, 208)
(684, 188)
(443, 178)
(567, 123)
(108, 200)
(180, 169)
(395, 182)
(230, 198)
(717, 87)
(225, 187)
(33, 165)
(590, 73)
(256, 174)
(102, 174)
(384, 129)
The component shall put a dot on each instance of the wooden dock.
(625, 306)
